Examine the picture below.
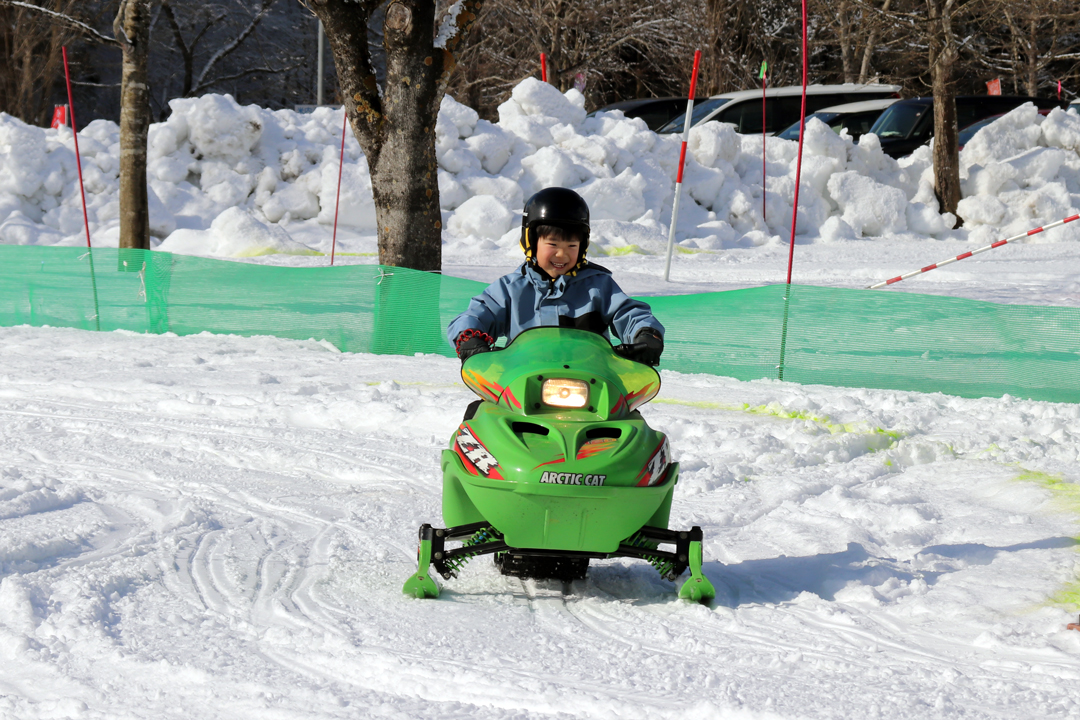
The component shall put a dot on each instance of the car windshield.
(898, 120)
(701, 110)
(969, 132)
(792, 133)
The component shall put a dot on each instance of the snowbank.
(1021, 172)
(279, 168)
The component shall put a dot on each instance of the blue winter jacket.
(525, 298)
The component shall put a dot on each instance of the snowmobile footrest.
(421, 585)
(697, 587)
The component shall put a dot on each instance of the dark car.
(656, 112)
(907, 124)
(967, 133)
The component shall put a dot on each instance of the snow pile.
(1022, 172)
(214, 156)
(234, 233)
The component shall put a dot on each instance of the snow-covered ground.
(219, 527)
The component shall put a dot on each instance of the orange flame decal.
(484, 388)
(510, 399)
(640, 397)
(593, 447)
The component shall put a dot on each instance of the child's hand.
(653, 343)
(470, 342)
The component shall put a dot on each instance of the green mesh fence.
(851, 338)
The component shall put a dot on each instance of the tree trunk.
(132, 29)
(845, 30)
(868, 51)
(396, 129)
(405, 176)
(946, 151)
(712, 74)
(1031, 81)
(187, 53)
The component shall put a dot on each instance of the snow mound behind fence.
(214, 156)
(849, 338)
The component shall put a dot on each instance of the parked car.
(965, 135)
(856, 118)
(907, 124)
(783, 105)
(654, 111)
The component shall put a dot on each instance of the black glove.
(653, 343)
(470, 342)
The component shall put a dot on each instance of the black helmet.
(560, 207)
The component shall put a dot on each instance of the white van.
(782, 105)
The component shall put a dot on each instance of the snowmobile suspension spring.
(480, 536)
(662, 565)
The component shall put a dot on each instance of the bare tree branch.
(264, 9)
(252, 71)
(64, 19)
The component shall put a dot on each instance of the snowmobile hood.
(519, 377)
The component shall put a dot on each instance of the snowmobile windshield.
(555, 353)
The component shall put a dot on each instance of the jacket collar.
(542, 280)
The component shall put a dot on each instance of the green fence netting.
(831, 336)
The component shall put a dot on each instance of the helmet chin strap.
(526, 247)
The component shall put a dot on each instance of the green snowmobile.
(556, 466)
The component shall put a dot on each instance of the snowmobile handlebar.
(631, 351)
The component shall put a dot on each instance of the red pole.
(543, 67)
(75, 134)
(764, 82)
(795, 207)
(337, 199)
(802, 128)
(82, 191)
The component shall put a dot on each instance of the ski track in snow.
(219, 527)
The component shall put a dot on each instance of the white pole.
(682, 160)
(671, 232)
(319, 98)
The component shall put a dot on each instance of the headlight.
(559, 392)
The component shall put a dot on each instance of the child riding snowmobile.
(554, 466)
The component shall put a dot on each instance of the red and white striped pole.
(682, 162)
(543, 67)
(964, 256)
(337, 199)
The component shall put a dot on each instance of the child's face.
(556, 257)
